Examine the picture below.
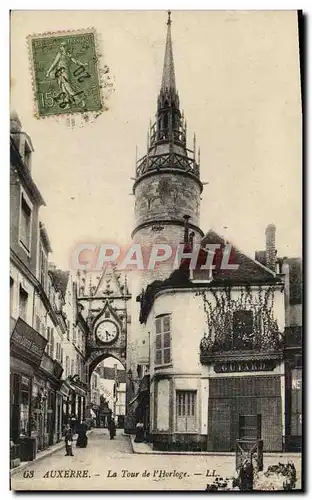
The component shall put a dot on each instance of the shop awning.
(78, 390)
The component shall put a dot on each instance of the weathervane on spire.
(169, 18)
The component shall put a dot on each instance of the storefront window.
(25, 406)
(296, 402)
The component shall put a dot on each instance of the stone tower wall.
(167, 196)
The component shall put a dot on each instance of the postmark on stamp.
(65, 72)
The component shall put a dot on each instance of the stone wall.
(167, 196)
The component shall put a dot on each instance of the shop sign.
(296, 379)
(258, 365)
(47, 364)
(26, 338)
(65, 389)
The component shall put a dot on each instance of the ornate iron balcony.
(269, 342)
(167, 160)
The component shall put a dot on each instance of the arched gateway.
(104, 302)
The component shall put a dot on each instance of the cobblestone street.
(111, 465)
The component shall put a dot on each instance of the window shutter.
(163, 340)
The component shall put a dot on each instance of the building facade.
(291, 271)
(103, 301)
(217, 372)
(167, 191)
(210, 349)
(34, 375)
(48, 381)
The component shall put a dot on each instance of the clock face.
(107, 331)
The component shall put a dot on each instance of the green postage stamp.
(65, 72)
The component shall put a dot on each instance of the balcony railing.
(167, 160)
(232, 342)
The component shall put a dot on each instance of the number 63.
(28, 473)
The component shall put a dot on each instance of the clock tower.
(167, 190)
(104, 303)
(167, 184)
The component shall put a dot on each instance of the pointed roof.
(168, 77)
(109, 282)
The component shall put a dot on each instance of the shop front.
(46, 419)
(141, 404)
(293, 383)
(26, 352)
(64, 394)
(77, 401)
(245, 403)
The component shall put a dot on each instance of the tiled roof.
(248, 272)
(260, 256)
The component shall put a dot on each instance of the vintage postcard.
(155, 250)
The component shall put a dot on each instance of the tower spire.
(168, 77)
(167, 144)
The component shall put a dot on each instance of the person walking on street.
(69, 441)
(112, 428)
(82, 439)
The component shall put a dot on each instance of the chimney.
(270, 251)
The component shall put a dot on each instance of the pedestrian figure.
(139, 433)
(82, 439)
(69, 441)
(112, 428)
(246, 476)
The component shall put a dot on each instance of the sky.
(237, 74)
